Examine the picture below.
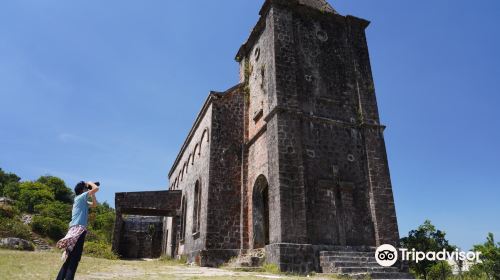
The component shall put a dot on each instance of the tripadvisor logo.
(387, 255)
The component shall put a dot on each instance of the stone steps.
(358, 263)
(40, 244)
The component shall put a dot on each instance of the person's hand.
(94, 188)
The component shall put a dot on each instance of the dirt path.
(16, 265)
(137, 270)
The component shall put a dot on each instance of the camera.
(386, 255)
(96, 183)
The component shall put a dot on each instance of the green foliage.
(11, 190)
(14, 228)
(53, 228)
(426, 239)
(473, 274)
(440, 271)
(271, 268)
(55, 209)
(6, 179)
(490, 258)
(8, 211)
(50, 200)
(61, 192)
(32, 194)
(101, 223)
(99, 249)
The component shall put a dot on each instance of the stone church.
(291, 160)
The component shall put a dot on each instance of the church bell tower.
(317, 174)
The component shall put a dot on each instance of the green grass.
(17, 265)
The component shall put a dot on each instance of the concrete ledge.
(216, 257)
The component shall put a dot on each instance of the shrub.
(14, 228)
(8, 211)
(55, 229)
(98, 249)
(11, 190)
(271, 268)
(56, 210)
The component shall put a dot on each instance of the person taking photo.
(72, 243)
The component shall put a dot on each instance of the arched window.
(194, 153)
(183, 217)
(260, 212)
(204, 137)
(197, 207)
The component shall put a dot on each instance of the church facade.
(292, 160)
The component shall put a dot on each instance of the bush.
(99, 250)
(471, 275)
(55, 229)
(56, 210)
(8, 211)
(14, 228)
(11, 190)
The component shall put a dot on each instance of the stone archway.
(158, 204)
(260, 212)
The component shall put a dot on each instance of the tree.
(440, 271)
(425, 239)
(56, 210)
(6, 179)
(11, 190)
(58, 187)
(490, 257)
(101, 222)
(32, 194)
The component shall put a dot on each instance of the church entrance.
(260, 212)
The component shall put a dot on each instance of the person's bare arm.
(94, 188)
(93, 204)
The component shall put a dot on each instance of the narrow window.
(197, 207)
(183, 222)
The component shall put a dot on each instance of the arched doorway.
(260, 212)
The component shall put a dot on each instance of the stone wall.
(190, 167)
(321, 136)
(299, 137)
(154, 203)
(224, 199)
(141, 238)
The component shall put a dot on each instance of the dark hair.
(80, 188)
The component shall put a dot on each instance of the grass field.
(16, 265)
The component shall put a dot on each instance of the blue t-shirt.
(80, 213)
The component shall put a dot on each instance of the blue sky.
(108, 90)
